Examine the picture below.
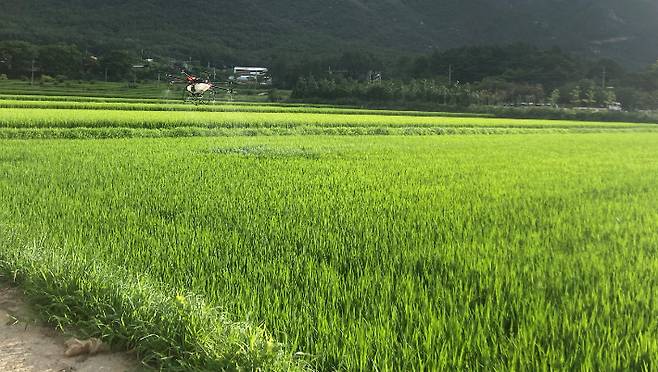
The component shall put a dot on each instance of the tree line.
(515, 74)
(482, 75)
(21, 59)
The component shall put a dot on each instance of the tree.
(117, 64)
(358, 64)
(575, 96)
(60, 59)
(16, 57)
(610, 97)
(590, 96)
(554, 98)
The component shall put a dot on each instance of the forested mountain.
(254, 30)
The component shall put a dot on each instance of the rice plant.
(509, 252)
(72, 118)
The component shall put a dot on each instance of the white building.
(256, 75)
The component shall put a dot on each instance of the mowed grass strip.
(379, 253)
(67, 118)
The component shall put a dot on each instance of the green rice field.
(310, 238)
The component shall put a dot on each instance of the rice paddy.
(528, 250)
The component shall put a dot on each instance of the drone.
(198, 90)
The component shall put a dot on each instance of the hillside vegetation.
(243, 30)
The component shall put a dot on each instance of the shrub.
(46, 79)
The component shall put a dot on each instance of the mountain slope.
(254, 29)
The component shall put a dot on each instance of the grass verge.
(169, 331)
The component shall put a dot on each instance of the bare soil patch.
(28, 345)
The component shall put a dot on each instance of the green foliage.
(482, 75)
(575, 96)
(226, 33)
(118, 64)
(38, 116)
(174, 331)
(590, 97)
(60, 59)
(16, 57)
(554, 99)
(394, 253)
(494, 75)
(46, 79)
(80, 118)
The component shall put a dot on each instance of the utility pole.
(449, 74)
(106, 74)
(32, 71)
(603, 78)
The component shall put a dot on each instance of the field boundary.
(109, 133)
(177, 332)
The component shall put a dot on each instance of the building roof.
(250, 69)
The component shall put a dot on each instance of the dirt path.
(26, 345)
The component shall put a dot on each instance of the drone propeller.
(226, 86)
